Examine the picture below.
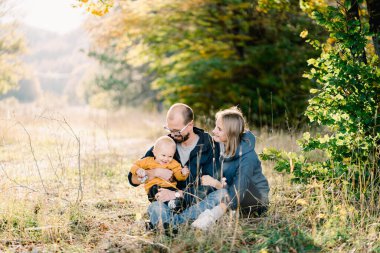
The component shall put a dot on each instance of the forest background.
(299, 70)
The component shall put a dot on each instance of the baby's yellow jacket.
(149, 163)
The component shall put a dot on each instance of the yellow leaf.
(313, 91)
(306, 136)
(304, 34)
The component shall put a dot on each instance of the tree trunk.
(353, 14)
(374, 22)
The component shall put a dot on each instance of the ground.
(64, 188)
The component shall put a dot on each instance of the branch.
(34, 157)
(14, 181)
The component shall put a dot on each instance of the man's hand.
(165, 174)
(164, 195)
(185, 171)
(210, 181)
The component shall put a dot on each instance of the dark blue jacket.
(246, 184)
(201, 162)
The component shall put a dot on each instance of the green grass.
(110, 217)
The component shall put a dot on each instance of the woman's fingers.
(206, 180)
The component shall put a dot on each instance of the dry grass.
(42, 181)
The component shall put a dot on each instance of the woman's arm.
(210, 181)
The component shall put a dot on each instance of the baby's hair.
(164, 140)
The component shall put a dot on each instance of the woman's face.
(219, 134)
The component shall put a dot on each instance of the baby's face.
(164, 154)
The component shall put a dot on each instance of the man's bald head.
(180, 110)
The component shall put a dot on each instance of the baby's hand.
(141, 172)
(185, 171)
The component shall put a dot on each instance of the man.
(195, 150)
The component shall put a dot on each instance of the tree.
(212, 54)
(123, 75)
(345, 105)
(374, 22)
(11, 47)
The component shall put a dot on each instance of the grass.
(42, 182)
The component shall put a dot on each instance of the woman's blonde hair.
(234, 127)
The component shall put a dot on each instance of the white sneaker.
(204, 220)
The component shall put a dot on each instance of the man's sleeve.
(211, 164)
(209, 167)
(148, 153)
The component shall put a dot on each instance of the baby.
(163, 151)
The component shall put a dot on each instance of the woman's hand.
(210, 181)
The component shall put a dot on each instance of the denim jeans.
(159, 211)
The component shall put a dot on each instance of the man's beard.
(182, 139)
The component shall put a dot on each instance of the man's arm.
(164, 195)
(133, 179)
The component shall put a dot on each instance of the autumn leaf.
(304, 34)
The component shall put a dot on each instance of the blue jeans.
(159, 211)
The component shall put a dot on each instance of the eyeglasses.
(176, 132)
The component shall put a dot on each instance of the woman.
(242, 186)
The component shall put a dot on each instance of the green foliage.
(11, 47)
(213, 54)
(282, 236)
(348, 99)
(233, 52)
(302, 170)
(346, 103)
(123, 81)
(20, 224)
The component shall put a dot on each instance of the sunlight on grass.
(43, 180)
